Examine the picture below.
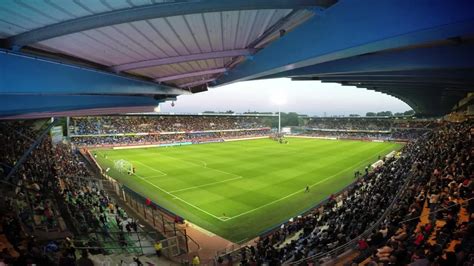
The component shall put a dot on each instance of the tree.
(370, 114)
(291, 119)
(384, 113)
(409, 113)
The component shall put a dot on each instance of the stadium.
(93, 172)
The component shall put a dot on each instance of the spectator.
(84, 260)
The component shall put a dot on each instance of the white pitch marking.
(299, 191)
(147, 177)
(204, 164)
(149, 167)
(195, 164)
(174, 196)
(205, 185)
(180, 199)
(153, 176)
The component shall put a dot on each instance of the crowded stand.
(436, 171)
(50, 201)
(165, 129)
(434, 222)
(350, 123)
(368, 128)
(416, 208)
(395, 134)
(197, 137)
(163, 123)
(137, 130)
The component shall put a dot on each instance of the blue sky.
(305, 97)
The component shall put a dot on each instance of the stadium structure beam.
(411, 79)
(350, 29)
(458, 75)
(421, 73)
(425, 99)
(415, 102)
(152, 11)
(27, 153)
(407, 61)
(182, 58)
(414, 88)
(401, 84)
(37, 106)
(195, 83)
(22, 74)
(192, 74)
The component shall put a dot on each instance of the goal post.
(123, 166)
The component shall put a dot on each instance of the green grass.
(240, 189)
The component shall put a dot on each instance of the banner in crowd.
(56, 134)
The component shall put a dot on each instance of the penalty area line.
(149, 167)
(198, 165)
(180, 199)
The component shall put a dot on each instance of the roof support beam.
(41, 105)
(350, 29)
(195, 83)
(182, 58)
(456, 73)
(433, 79)
(27, 153)
(22, 74)
(406, 61)
(345, 80)
(432, 83)
(410, 86)
(192, 74)
(152, 11)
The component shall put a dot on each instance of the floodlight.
(278, 99)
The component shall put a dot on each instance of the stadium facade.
(344, 190)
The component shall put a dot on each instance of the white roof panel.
(146, 40)
(29, 15)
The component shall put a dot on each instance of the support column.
(30, 149)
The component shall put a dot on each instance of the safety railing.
(352, 243)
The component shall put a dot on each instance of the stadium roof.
(127, 55)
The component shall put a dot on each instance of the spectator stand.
(351, 245)
(364, 128)
(437, 227)
(236, 251)
(146, 130)
(174, 239)
(324, 231)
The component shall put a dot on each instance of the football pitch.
(240, 189)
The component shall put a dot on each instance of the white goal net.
(123, 166)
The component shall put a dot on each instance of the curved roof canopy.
(119, 55)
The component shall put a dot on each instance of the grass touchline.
(239, 189)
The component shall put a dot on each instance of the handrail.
(369, 230)
(352, 242)
(192, 240)
(130, 243)
(109, 180)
